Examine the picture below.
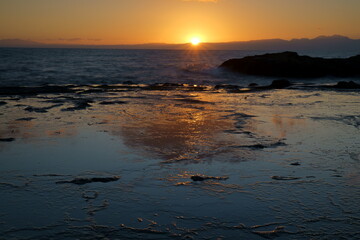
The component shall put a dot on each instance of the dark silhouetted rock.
(193, 101)
(262, 146)
(82, 181)
(226, 87)
(203, 178)
(79, 104)
(34, 109)
(347, 85)
(281, 83)
(7, 139)
(290, 64)
(128, 82)
(41, 109)
(256, 146)
(284, 178)
(253, 85)
(112, 102)
(25, 119)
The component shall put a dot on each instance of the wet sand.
(183, 162)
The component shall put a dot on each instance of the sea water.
(36, 67)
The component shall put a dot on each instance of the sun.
(195, 41)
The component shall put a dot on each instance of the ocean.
(37, 67)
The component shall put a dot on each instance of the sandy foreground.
(180, 163)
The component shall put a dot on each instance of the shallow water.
(291, 158)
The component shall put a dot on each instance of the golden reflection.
(175, 127)
(284, 124)
(176, 131)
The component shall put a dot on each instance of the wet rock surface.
(290, 64)
(189, 169)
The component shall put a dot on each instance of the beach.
(180, 161)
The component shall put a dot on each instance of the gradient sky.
(175, 21)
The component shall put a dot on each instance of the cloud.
(70, 39)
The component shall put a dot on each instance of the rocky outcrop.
(290, 64)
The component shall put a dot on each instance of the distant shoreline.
(335, 42)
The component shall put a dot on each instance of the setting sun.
(195, 41)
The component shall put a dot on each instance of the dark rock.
(172, 84)
(290, 64)
(347, 85)
(197, 178)
(262, 146)
(194, 101)
(82, 181)
(128, 82)
(337, 176)
(2, 103)
(49, 175)
(79, 104)
(295, 164)
(112, 102)
(256, 146)
(227, 87)
(7, 139)
(41, 110)
(284, 178)
(279, 84)
(34, 109)
(253, 85)
(203, 178)
(25, 119)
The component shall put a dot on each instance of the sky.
(175, 21)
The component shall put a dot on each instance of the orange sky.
(175, 21)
